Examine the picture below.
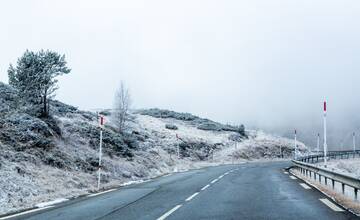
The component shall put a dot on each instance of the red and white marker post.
(325, 144)
(101, 124)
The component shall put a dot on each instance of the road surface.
(246, 191)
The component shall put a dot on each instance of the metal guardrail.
(312, 171)
(319, 156)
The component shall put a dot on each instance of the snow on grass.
(346, 166)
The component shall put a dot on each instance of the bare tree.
(122, 105)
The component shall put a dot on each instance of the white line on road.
(214, 181)
(305, 186)
(292, 177)
(164, 216)
(331, 205)
(26, 212)
(221, 176)
(205, 187)
(286, 173)
(96, 194)
(191, 197)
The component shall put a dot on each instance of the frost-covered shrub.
(113, 142)
(171, 127)
(196, 150)
(160, 113)
(208, 126)
(61, 109)
(22, 131)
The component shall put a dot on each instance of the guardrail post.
(343, 188)
(319, 178)
(356, 193)
(310, 173)
(314, 176)
(325, 180)
(333, 183)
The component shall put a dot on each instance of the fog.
(267, 64)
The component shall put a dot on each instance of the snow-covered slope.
(346, 166)
(46, 159)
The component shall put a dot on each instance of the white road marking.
(331, 205)
(191, 197)
(26, 212)
(221, 176)
(305, 186)
(292, 177)
(96, 194)
(286, 173)
(205, 187)
(214, 181)
(56, 201)
(164, 216)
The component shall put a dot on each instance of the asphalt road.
(247, 191)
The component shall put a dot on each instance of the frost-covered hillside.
(47, 158)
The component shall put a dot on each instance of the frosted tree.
(35, 78)
(122, 105)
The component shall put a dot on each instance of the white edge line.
(26, 212)
(46, 204)
(205, 187)
(331, 205)
(292, 177)
(96, 194)
(192, 196)
(167, 214)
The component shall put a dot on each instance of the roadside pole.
(325, 144)
(318, 143)
(354, 143)
(295, 152)
(101, 123)
(178, 147)
(178, 153)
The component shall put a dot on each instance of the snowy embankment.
(349, 167)
(44, 160)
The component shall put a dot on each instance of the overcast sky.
(265, 63)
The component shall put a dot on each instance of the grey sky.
(264, 63)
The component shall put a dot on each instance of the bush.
(171, 127)
(24, 131)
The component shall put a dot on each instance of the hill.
(47, 158)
